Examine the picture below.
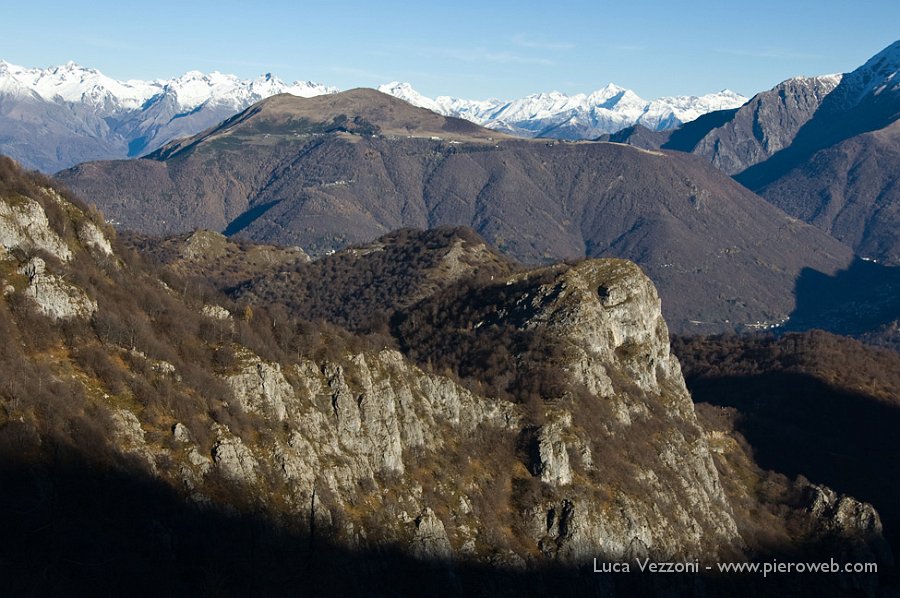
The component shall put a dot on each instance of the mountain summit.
(361, 111)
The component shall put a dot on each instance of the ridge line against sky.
(464, 49)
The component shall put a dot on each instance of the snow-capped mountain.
(878, 77)
(55, 117)
(580, 116)
(76, 84)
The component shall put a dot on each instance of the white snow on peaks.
(878, 74)
(577, 116)
(405, 92)
(71, 83)
(687, 108)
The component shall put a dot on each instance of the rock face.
(554, 454)
(24, 224)
(609, 313)
(53, 296)
(261, 387)
(91, 236)
(855, 523)
(233, 459)
(371, 429)
(356, 421)
(430, 541)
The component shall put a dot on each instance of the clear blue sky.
(461, 48)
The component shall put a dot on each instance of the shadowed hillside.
(812, 404)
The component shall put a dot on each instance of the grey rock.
(53, 296)
(216, 312)
(233, 459)
(91, 236)
(181, 433)
(856, 523)
(553, 452)
(127, 429)
(24, 225)
(430, 540)
(261, 387)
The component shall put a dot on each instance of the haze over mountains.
(83, 115)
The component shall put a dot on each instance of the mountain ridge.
(84, 115)
(580, 116)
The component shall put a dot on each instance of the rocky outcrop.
(670, 502)
(127, 428)
(92, 237)
(233, 459)
(553, 453)
(610, 313)
(854, 524)
(261, 388)
(53, 296)
(430, 540)
(356, 423)
(24, 225)
(216, 312)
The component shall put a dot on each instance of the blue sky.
(461, 48)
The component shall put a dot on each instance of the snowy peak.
(405, 92)
(877, 75)
(72, 83)
(578, 116)
(605, 110)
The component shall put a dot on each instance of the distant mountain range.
(581, 116)
(57, 117)
(53, 118)
(331, 171)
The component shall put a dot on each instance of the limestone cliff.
(378, 450)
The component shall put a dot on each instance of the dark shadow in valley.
(859, 299)
(799, 425)
(247, 218)
(686, 137)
